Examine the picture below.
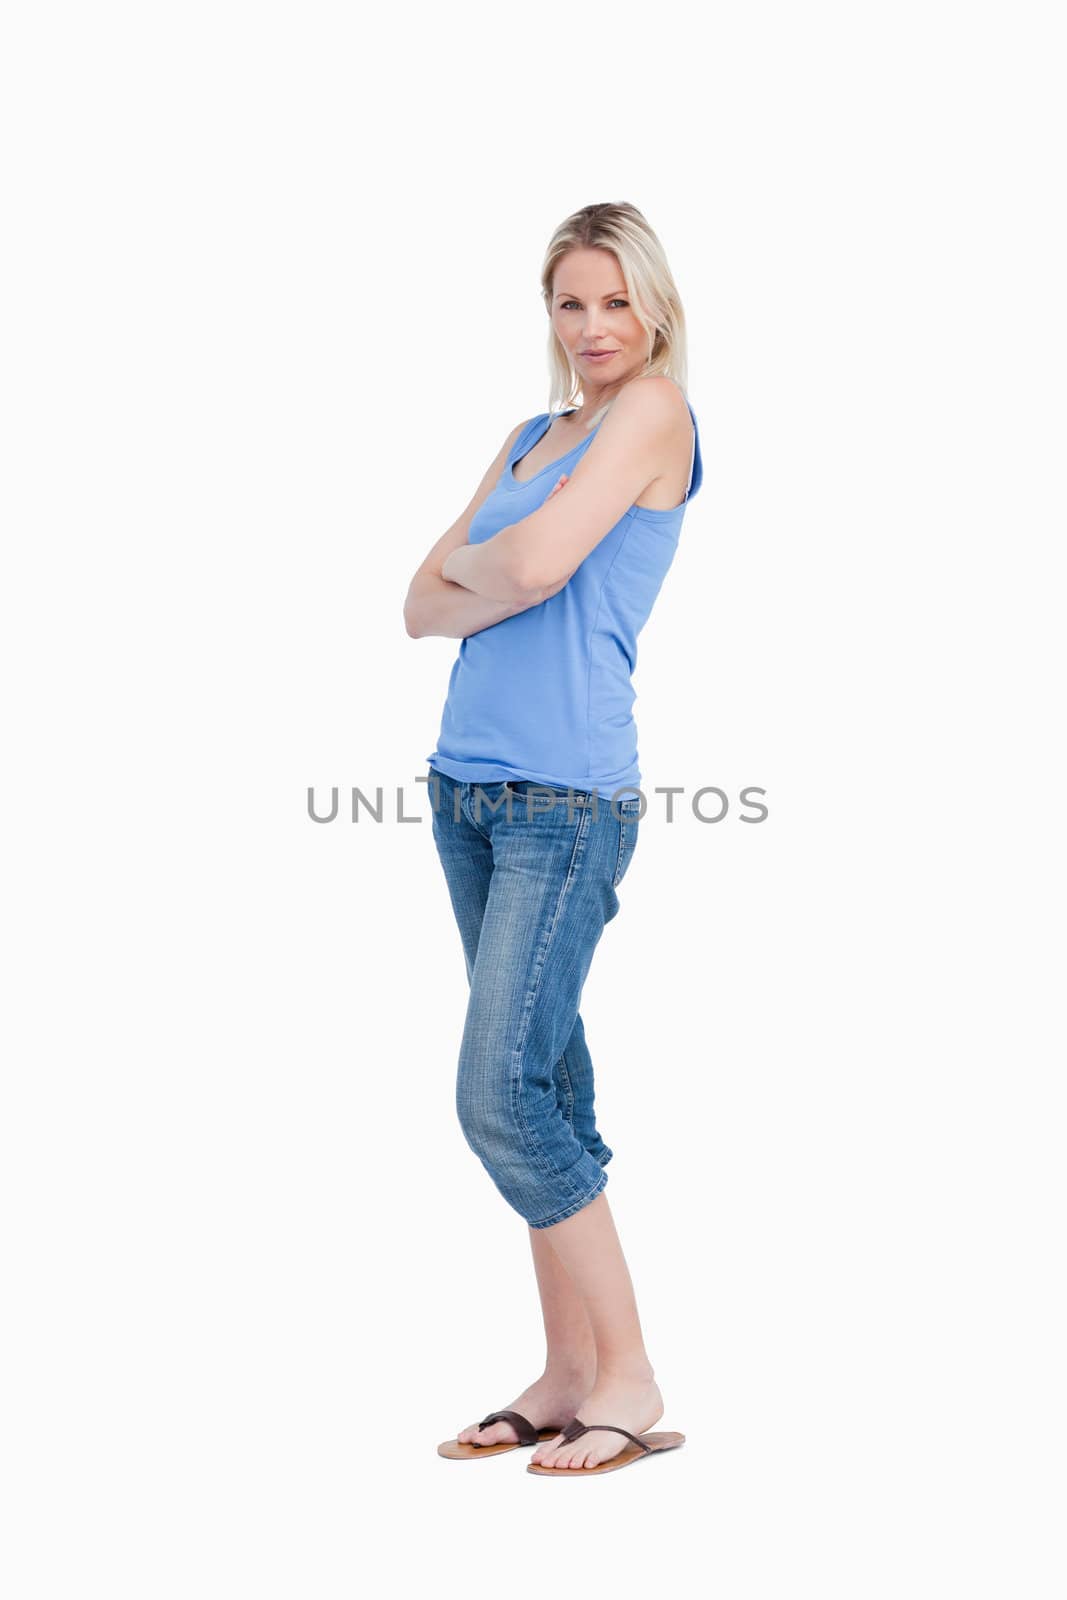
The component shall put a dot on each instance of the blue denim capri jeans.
(532, 873)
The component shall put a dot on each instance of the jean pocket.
(627, 844)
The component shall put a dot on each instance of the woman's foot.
(549, 1403)
(630, 1401)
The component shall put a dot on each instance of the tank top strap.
(696, 466)
(528, 434)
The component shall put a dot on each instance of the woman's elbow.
(525, 582)
(414, 621)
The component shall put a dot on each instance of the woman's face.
(591, 311)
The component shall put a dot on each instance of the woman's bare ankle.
(627, 1369)
(567, 1373)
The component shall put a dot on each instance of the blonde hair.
(650, 287)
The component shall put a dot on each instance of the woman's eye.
(568, 303)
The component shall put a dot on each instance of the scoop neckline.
(523, 483)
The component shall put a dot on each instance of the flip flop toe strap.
(525, 1429)
(576, 1428)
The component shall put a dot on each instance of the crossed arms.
(462, 588)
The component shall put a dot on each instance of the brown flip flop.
(528, 1434)
(647, 1444)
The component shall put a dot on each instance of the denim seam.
(531, 999)
(568, 1087)
(627, 845)
(503, 804)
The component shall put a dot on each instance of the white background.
(271, 304)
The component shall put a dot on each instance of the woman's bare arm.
(647, 427)
(437, 607)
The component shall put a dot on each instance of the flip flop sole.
(453, 1450)
(628, 1454)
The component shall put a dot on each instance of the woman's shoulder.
(657, 405)
(654, 397)
(519, 434)
(653, 405)
(521, 429)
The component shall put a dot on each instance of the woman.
(547, 578)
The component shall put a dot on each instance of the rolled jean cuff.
(574, 1205)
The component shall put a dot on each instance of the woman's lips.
(598, 355)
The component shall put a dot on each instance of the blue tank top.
(547, 694)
